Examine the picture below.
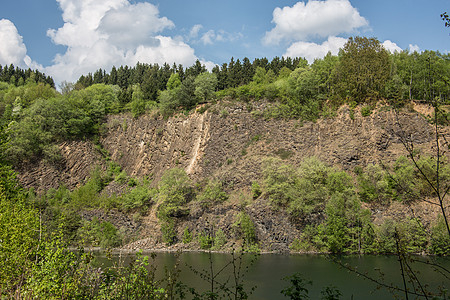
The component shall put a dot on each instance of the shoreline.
(159, 250)
(119, 251)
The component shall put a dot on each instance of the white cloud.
(208, 37)
(314, 19)
(391, 46)
(311, 51)
(414, 48)
(208, 65)
(211, 36)
(133, 25)
(194, 31)
(12, 48)
(100, 34)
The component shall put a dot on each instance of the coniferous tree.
(113, 76)
(247, 71)
(195, 70)
(222, 77)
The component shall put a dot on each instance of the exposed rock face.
(149, 146)
(79, 158)
(231, 142)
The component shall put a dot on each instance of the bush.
(187, 236)
(212, 193)
(312, 184)
(245, 228)
(280, 182)
(205, 241)
(169, 234)
(366, 110)
(373, 184)
(95, 233)
(440, 241)
(137, 198)
(175, 190)
(220, 239)
(256, 190)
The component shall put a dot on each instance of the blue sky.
(68, 38)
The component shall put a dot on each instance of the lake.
(266, 272)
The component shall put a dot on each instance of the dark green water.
(267, 271)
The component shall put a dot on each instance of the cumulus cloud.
(414, 48)
(123, 29)
(311, 51)
(12, 48)
(391, 46)
(314, 19)
(100, 34)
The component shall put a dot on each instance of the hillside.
(231, 142)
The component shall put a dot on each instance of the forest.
(36, 229)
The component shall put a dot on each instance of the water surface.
(267, 271)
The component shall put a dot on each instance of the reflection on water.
(267, 271)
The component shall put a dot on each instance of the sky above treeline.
(69, 38)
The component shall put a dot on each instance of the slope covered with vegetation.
(288, 201)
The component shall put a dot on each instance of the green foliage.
(297, 289)
(187, 236)
(174, 81)
(428, 174)
(245, 228)
(256, 190)
(220, 239)
(312, 186)
(167, 101)
(135, 281)
(311, 239)
(175, 190)
(440, 241)
(88, 195)
(212, 193)
(301, 191)
(137, 103)
(48, 121)
(363, 69)
(53, 275)
(205, 241)
(19, 233)
(366, 110)
(168, 231)
(283, 153)
(344, 229)
(396, 91)
(330, 293)
(345, 223)
(409, 232)
(99, 234)
(205, 85)
(373, 184)
(138, 198)
(186, 96)
(402, 182)
(280, 182)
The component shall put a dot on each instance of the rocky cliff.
(229, 141)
